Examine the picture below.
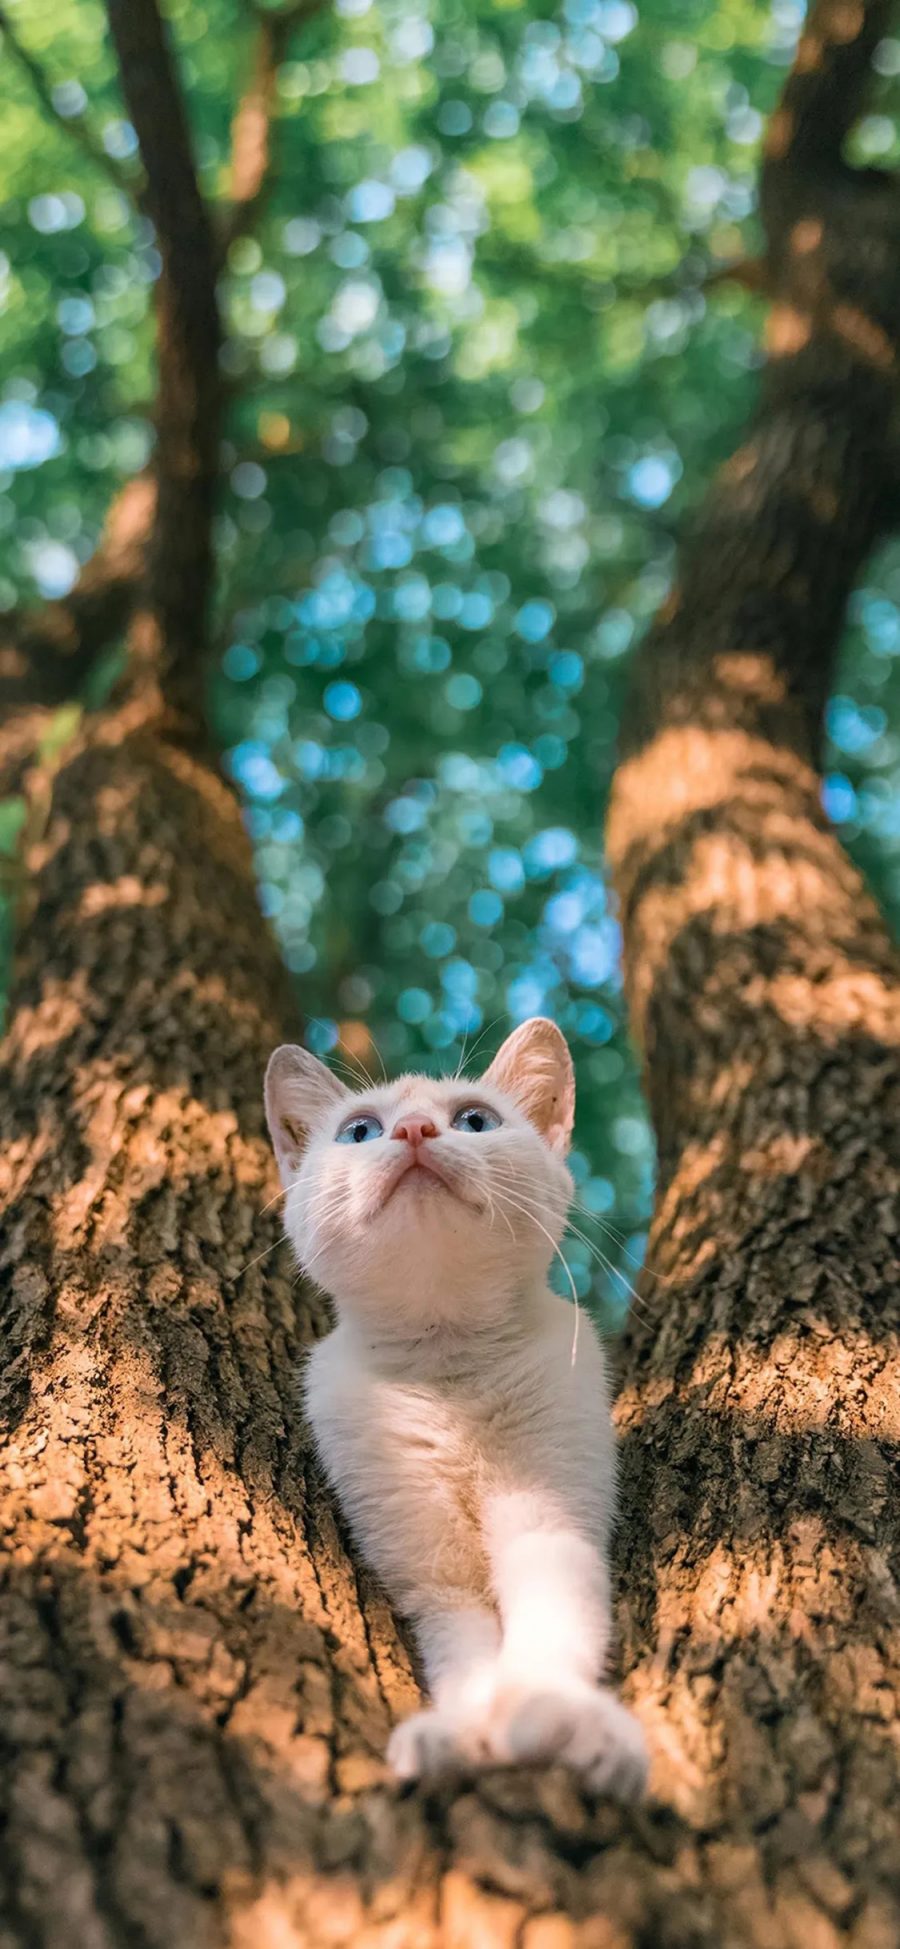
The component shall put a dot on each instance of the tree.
(196, 1678)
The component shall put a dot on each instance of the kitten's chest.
(441, 1428)
(468, 1427)
(465, 1426)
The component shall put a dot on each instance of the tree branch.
(173, 631)
(825, 90)
(45, 656)
(823, 453)
(76, 127)
(251, 134)
(252, 125)
(293, 15)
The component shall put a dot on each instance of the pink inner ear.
(534, 1067)
(562, 1116)
(299, 1091)
(288, 1139)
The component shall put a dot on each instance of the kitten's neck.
(444, 1346)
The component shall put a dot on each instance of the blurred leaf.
(61, 729)
(13, 813)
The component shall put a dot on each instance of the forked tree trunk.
(194, 1695)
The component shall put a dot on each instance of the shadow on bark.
(163, 1783)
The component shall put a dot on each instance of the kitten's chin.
(423, 1182)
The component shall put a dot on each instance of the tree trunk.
(196, 1682)
(181, 1635)
(762, 1405)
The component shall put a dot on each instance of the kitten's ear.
(534, 1067)
(299, 1091)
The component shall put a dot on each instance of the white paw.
(431, 1746)
(579, 1725)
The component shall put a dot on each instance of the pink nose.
(414, 1130)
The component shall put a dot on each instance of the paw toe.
(582, 1725)
(610, 1751)
(425, 1747)
(534, 1729)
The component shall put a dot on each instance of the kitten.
(473, 1460)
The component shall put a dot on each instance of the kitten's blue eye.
(475, 1118)
(359, 1130)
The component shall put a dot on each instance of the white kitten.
(473, 1460)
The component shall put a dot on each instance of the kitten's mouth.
(421, 1176)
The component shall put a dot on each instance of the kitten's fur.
(473, 1460)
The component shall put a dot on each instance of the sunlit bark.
(760, 1415)
(195, 1680)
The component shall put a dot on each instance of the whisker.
(378, 1053)
(620, 1239)
(359, 1076)
(461, 1064)
(313, 1200)
(307, 1264)
(488, 1027)
(333, 1061)
(504, 1215)
(355, 1074)
(259, 1256)
(614, 1271)
(583, 1212)
(319, 1212)
(361, 1072)
(564, 1262)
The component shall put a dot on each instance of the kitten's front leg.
(553, 1590)
(459, 1648)
(393, 1455)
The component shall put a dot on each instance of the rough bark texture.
(164, 1610)
(760, 1413)
(195, 1685)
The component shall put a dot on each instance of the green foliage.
(12, 818)
(59, 731)
(476, 385)
(13, 813)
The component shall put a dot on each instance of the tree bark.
(760, 1411)
(196, 1681)
(170, 637)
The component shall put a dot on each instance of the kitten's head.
(426, 1200)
